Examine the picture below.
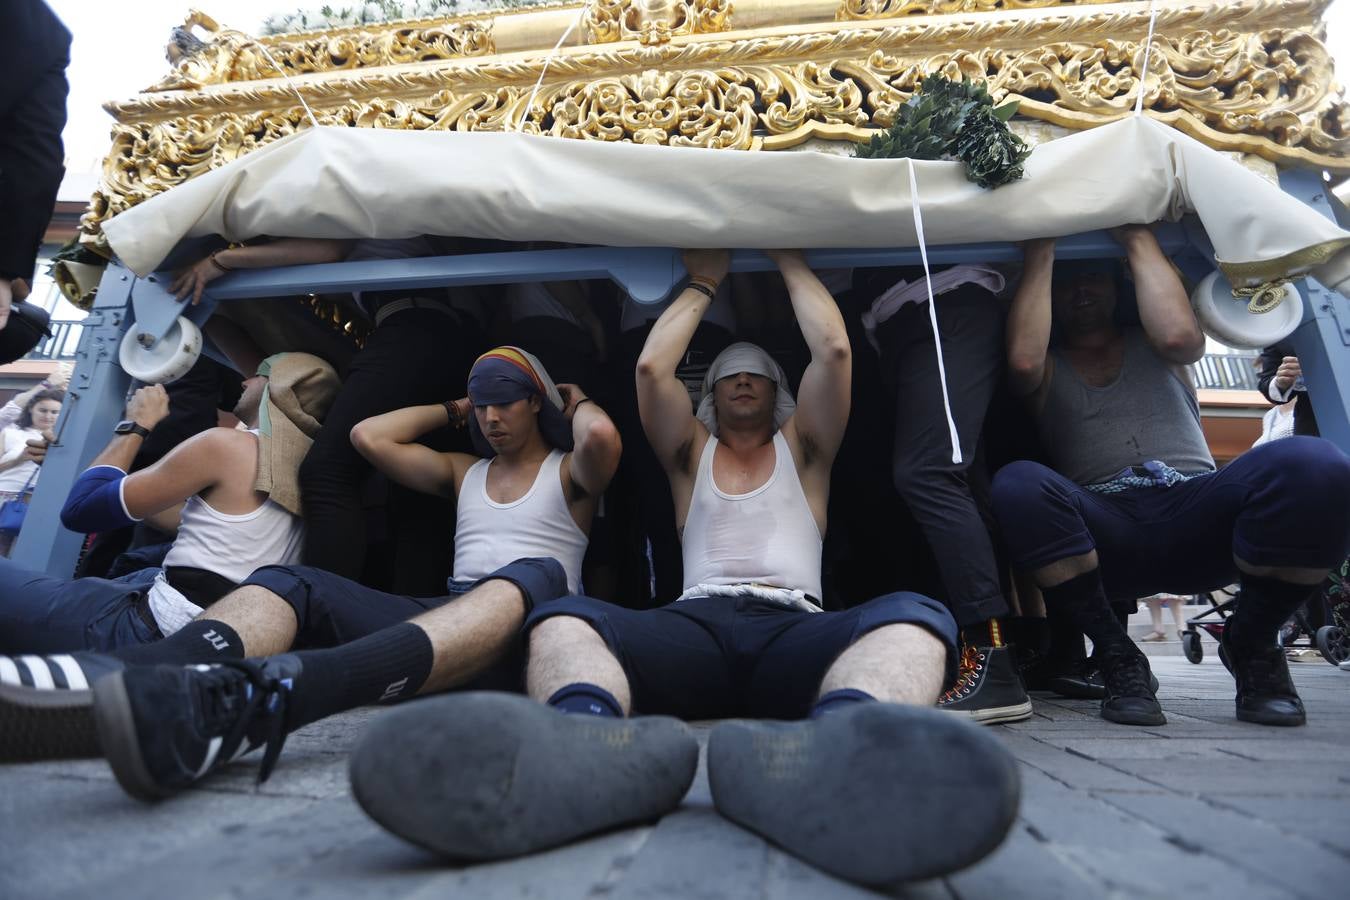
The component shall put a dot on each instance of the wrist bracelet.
(454, 412)
(581, 401)
(700, 279)
(217, 263)
(702, 289)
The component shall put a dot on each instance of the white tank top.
(233, 546)
(767, 536)
(488, 535)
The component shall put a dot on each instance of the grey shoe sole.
(117, 736)
(879, 795)
(53, 724)
(484, 776)
(994, 715)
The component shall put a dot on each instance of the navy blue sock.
(540, 579)
(587, 700)
(199, 641)
(837, 701)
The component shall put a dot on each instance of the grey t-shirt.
(1147, 413)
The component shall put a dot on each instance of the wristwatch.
(126, 426)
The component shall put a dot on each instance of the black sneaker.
(45, 704)
(988, 689)
(164, 727)
(859, 792)
(1130, 689)
(1265, 692)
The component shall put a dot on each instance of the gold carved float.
(1253, 76)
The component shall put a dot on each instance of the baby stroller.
(1332, 640)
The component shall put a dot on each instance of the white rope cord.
(525, 114)
(290, 84)
(932, 314)
(1148, 52)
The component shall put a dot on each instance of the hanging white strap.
(932, 314)
(290, 84)
(525, 114)
(1148, 52)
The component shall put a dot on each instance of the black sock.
(582, 698)
(840, 700)
(199, 641)
(1263, 606)
(1082, 601)
(1029, 636)
(391, 664)
(1066, 638)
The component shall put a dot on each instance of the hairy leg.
(265, 622)
(894, 663)
(471, 632)
(566, 650)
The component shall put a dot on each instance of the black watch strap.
(126, 426)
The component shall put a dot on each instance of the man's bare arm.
(595, 441)
(824, 396)
(1164, 309)
(1029, 319)
(663, 402)
(389, 441)
(192, 467)
(192, 280)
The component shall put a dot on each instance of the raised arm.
(390, 443)
(824, 396)
(595, 442)
(1029, 319)
(1164, 309)
(663, 402)
(192, 280)
(105, 497)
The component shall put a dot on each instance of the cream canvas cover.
(362, 182)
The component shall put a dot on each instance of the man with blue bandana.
(523, 510)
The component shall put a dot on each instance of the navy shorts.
(718, 657)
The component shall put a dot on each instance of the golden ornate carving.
(229, 55)
(1249, 75)
(652, 22)
(879, 9)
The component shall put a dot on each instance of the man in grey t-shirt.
(1133, 505)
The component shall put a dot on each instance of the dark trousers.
(415, 357)
(42, 614)
(1283, 504)
(948, 500)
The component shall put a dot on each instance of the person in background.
(1175, 602)
(33, 91)
(23, 447)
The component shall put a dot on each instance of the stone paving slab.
(1202, 807)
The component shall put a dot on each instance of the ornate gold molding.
(229, 55)
(653, 21)
(1250, 76)
(880, 9)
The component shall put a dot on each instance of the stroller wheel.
(1190, 645)
(1334, 644)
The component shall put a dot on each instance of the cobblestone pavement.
(1202, 807)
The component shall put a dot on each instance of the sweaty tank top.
(765, 536)
(1147, 413)
(233, 546)
(488, 535)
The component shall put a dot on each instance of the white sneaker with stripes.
(45, 705)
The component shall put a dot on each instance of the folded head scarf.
(745, 357)
(507, 374)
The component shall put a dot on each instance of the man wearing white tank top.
(230, 495)
(525, 504)
(855, 788)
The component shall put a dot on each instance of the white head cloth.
(745, 357)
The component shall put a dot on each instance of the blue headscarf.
(507, 374)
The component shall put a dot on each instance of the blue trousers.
(1283, 504)
(42, 614)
